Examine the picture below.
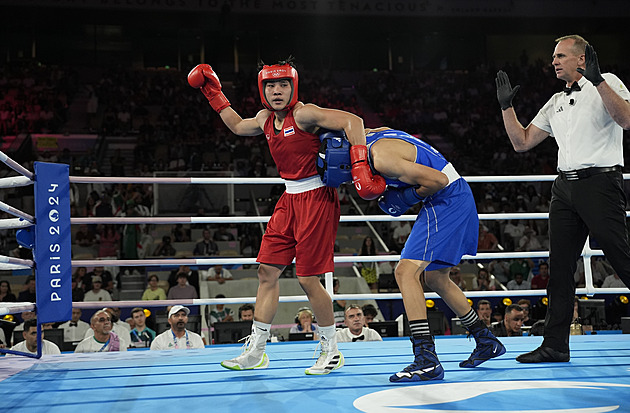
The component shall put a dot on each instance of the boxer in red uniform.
(304, 223)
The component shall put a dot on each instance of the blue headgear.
(333, 160)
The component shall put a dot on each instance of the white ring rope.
(16, 212)
(15, 181)
(16, 166)
(14, 223)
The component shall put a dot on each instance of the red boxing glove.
(368, 186)
(203, 77)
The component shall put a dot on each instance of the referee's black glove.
(505, 93)
(591, 72)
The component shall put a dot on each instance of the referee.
(587, 120)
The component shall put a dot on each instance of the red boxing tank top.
(293, 150)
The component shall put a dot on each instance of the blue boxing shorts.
(447, 228)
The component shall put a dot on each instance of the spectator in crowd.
(85, 237)
(500, 269)
(106, 278)
(219, 274)
(165, 248)
(528, 241)
(355, 327)
(487, 240)
(456, 276)
(77, 292)
(80, 274)
(96, 293)
(400, 234)
(613, 281)
(221, 313)
(109, 242)
(484, 311)
(27, 295)
(182, 290)
(540, 280)
(153, 292)
(514, 231)
(223, 234)
(526, 304)
(369, 314)
(511, 324)
(305, 322)
(368, 269)
(141, 335)
(6, 296)
(177, 337)
(246, 312)
(29, 345)
(120, 327)
(25, 316)
(104, 339)
(518, 283)
(192, 276)
(206, 247)
(483, 281)
(75, 329)
(521, 266)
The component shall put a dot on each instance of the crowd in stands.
(176, 131)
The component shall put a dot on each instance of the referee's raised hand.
(505, 92)
(591, 72)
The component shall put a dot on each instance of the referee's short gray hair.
(580, 43)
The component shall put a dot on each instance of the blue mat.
(597, 379)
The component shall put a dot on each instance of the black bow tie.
(361, 337)
(73, 324)
(574, 88)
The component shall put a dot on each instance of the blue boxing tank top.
(426, 155)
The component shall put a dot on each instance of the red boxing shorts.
(303, 226)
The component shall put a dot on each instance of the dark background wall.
(157, 33)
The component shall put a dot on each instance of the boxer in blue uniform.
(446, 229)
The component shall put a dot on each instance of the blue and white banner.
(52, 249)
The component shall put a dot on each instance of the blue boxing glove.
(396, 202)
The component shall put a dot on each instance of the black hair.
(245, 307)
(30, 323)
(370, 310)
(288, 61)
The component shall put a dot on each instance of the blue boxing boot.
(425, 366)
(488, 346)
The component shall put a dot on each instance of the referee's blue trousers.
(597, 205)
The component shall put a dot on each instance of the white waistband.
(451, 173)
(303, 185)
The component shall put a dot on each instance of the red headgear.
(277, 72)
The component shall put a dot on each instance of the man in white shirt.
(177, 338)
(356, 330)
(587, 120)
(97, 293)
(121, 328)
(75, 329)
(613, 281)
(29, 345)
(519, 283)
(104, 339)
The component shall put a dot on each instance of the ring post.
(52, 247)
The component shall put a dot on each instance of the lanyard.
(188, 345)
(104, 345)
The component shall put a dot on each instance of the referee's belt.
(587, 172)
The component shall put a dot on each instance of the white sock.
(329, 333)
(261, 328)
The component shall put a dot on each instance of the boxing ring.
(597, 379)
